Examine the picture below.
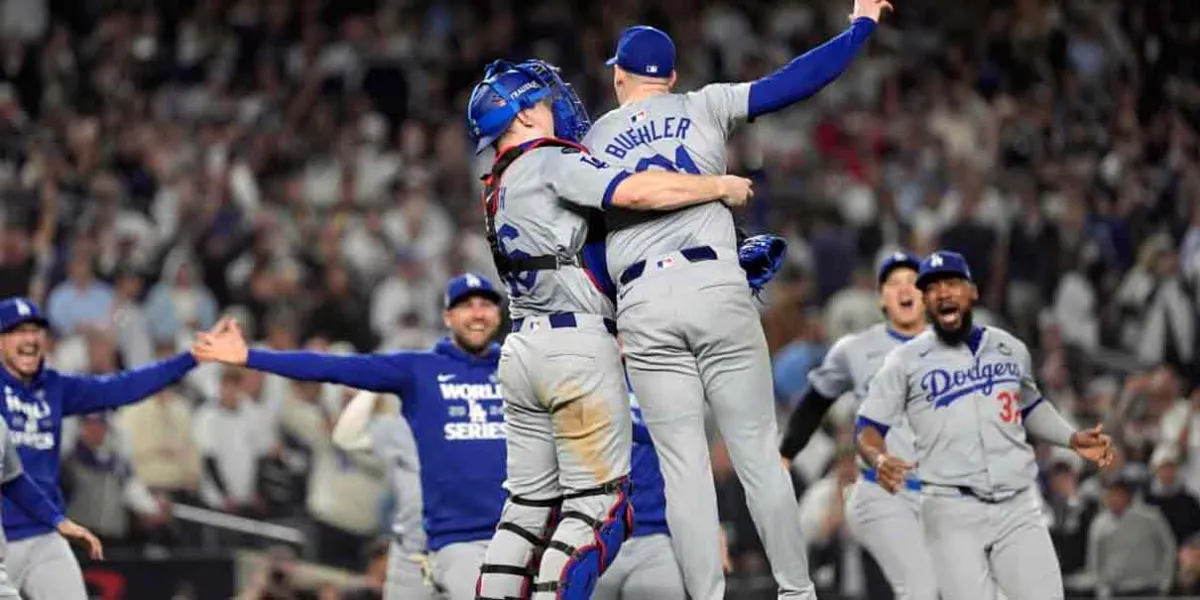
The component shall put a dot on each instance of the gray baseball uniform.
(392, 440)
(888, 526)
(691, 332)
(565, 402)
(980, 509)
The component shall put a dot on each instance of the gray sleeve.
(1167, 545)
(12, 460)
(887, 393)
(1044, 423)
(580, 178)
(832, 378)
(392, 440)
(727, 104)
(1030, 392)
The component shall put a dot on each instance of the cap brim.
(925, 280)
(611, 62)
(492, 295)
(40, 321)
(886, 272)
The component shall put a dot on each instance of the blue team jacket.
(35, 413)
(451, 400)
(649, 497)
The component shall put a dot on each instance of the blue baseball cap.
(469, 284)
(897, 260)
(18, 311)
(941, 265)
(644, 50)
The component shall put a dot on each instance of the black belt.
(565, 321)
(696, 254)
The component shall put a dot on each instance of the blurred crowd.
(303, 166)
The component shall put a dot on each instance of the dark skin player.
(949, 303)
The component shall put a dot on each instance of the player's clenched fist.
(890, 472)
(1094, 445)
(736, 191)
(871, 9)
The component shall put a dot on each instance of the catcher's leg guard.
(594, 525)
(512, 556)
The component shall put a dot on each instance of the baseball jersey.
(850, 365)
(966, 404)
(543, 203)
(34, 413)
(671, 132)
(392, 440)
(452, 402)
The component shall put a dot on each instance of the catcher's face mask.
(571, 121)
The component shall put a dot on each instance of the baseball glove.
(761, 256)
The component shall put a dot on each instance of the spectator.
(1131, 551)
(344, 490)
(229, 436)
(341, 312)
(162, 451)
(82, 301)
(1168, 494)
(1071, 517)
(129, 321)
(410, 290)
(371, 585)
(1187, 578)
(1180, 428)
(180, 303)
(854, 308)
(103, 490)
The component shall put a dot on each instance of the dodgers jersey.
(850, 365)
(452, 402)
(672, 132)
(34, 413)
(543, 203)
(966, 404)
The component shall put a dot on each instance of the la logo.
(936, 260)
(473, 281)
(23, 309)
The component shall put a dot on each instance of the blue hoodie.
(35, 412)
(649, 496)
(451, 400)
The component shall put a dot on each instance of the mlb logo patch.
(651, 69)
(638, 116)
(665, 263)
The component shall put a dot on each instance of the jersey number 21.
(683, 163)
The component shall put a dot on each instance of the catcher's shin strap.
(505, 264)
(538, 542)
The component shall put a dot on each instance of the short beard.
(470, 348)
(955, 337)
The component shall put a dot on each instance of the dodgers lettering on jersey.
(965, 406)
(848, 368)
(671, 132)
(543, 205)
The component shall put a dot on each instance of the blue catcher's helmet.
(507, 89)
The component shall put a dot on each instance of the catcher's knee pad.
(593, 526)
(511, 562)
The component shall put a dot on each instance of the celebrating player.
(647, 568)
(887, 526)
(36, 399)
(451, 401)
(682, 351)
(566, 405)
(969, 394)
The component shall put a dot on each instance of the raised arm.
(808, 73)
(587, 181)
(374, 372)
(87, 394)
